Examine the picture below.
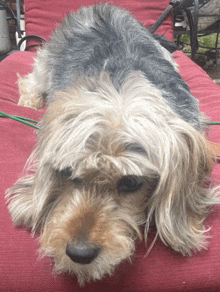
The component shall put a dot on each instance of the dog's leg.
(33, 88)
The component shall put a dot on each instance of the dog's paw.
(29, 97)
(31, 101)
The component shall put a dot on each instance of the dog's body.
(121, 143)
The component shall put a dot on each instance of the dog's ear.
(171, 47)
(20, 201)
(29, 196)
(183, 199)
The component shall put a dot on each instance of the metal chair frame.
(194, 32)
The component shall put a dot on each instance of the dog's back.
(104, 38)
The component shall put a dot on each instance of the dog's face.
(106, 163)
(101, 180)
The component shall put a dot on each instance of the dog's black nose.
(81, 253)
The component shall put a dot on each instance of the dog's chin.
(103, 265)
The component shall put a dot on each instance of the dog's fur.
(121, 144)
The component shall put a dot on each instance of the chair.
(195, 12)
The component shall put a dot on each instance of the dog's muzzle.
(82, 253)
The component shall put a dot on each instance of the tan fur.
(28, 98)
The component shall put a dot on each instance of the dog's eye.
(65, 173)
(78, 181)
(130, 184)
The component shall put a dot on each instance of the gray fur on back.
(105, 38)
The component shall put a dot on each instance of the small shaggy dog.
(121, 145)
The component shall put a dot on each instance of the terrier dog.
(121, 144)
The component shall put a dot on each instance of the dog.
(121, 145)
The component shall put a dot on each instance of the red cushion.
(163, 269)
(41, 16)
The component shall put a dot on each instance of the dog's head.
(106, 163)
